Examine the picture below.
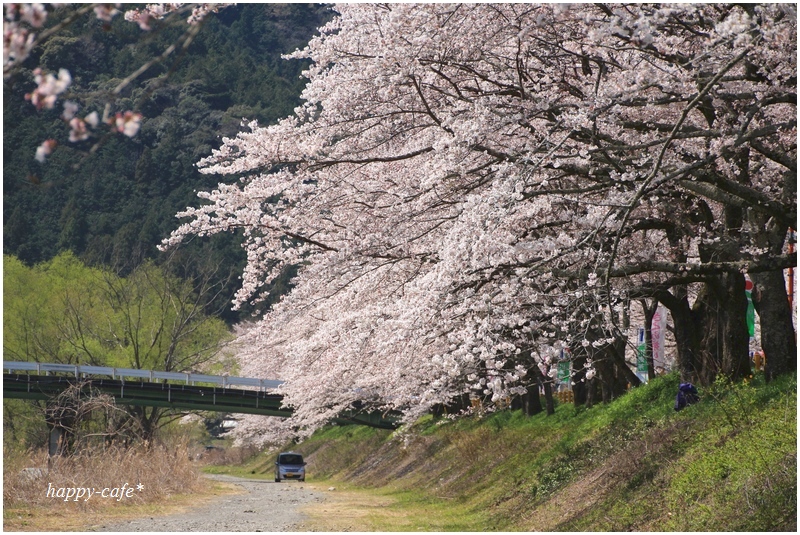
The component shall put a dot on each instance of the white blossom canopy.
(468, 188)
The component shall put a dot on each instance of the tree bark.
(531, 403)
(686, 332)
(625, 375)
(591, 392)
(649, 313)
(778, 337)
(550, 407)
(736, 340)
(578, 376)
(720, 312)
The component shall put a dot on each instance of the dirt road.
(265, 506)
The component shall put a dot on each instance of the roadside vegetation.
(171, 480)
(40, 492)
(728, 463)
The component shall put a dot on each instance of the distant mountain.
(114, 206)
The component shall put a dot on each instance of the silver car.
(290, 465)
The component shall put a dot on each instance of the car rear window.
(291, 459)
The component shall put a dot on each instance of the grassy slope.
(728, 463)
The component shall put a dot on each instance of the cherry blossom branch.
(657, 165)
(43, 36)
(759, 265)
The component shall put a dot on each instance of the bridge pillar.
(61, 421)
(56, 442)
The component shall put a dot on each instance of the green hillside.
(726, 464)
(112, 204)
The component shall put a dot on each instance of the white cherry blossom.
(467, 190)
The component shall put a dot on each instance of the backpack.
(687, 395)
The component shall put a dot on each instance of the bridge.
(175, 390)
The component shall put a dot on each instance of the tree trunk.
(625, 376)
(578, 376)
(548, 397)
(686, 333)
(605, 376)
(613, 372)
(649, 314)
(720, 311)
(707, 315)
(147, 422)
(591, 392)
(531, 403)
(778, 337)
(736, 339)
(726, 318)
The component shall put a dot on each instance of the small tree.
(77, 415)
(78, 315)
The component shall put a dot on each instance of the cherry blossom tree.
(25, 28)
(471, 189)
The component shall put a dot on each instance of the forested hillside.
(113, 206)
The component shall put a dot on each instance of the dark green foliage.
(114, 205)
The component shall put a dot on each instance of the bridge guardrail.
(151, 375)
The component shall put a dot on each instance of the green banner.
(564, 371)
(751, 311)
(641, 352)
(641, 360)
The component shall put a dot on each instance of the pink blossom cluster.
(127, 123)
(79, 128)
(17, 42)
(19, 39)
(45, 149)
(34, 14)
(201, 11)
(152, 12)
(106, 12)
(48, 87)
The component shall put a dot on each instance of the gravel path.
(267, 506)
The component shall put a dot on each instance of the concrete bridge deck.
(186, 391)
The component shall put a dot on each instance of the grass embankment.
(728, 463)
(170, 482)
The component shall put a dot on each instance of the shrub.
(162, 470)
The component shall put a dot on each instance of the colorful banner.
(751, 310)
(641, 352)
(564, 368)
(658, 328)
